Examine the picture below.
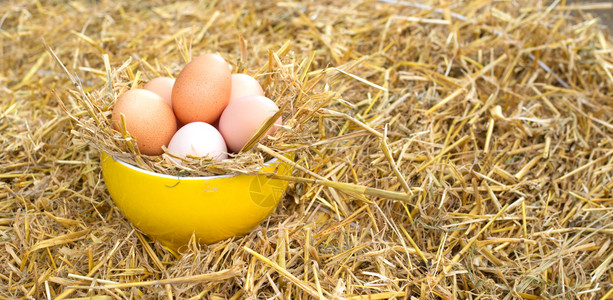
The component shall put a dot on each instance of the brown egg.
(161, 86)
(149, 119)
(202, 89)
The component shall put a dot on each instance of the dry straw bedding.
(458, 149)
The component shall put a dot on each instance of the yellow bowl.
(171, 209)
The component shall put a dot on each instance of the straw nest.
(443, 149)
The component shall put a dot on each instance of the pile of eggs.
(206, 111)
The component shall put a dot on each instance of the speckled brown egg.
(202, 89)
(149, 119)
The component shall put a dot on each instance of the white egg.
(198, 139)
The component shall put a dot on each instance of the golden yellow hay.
(443, 150)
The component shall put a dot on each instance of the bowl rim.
(135, 168)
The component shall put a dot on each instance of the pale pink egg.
(243, 117)
(161, 86)
(245, 85)
(198, 139)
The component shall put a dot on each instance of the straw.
(440, 150)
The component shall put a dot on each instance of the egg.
(243, 117)
(149, 119)
(198, 139)
(161, 86)
(202, 89)
(244, 85)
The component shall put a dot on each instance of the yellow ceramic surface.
(171, 209)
